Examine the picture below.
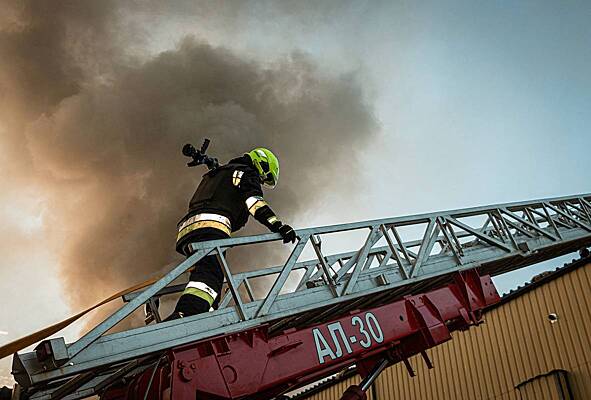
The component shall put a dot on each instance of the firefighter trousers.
(206, 279)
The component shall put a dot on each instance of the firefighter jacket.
(224, 199)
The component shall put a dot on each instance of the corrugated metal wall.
(517, 343)
(551, 386)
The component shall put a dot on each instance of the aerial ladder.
(411, 282)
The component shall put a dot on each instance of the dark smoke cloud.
(98, 131)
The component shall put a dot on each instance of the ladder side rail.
(452, 217)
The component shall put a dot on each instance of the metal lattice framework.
(387, 265)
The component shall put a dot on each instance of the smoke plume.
(94, 128)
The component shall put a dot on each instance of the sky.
(454, 104)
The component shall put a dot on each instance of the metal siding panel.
(530, 337)
(398, 382)
(500, 360)
(487, 339)
(489, 380)
(469, 379)
(560, 332)
(382, 384)
(582, 294)
(548, 389)
(542, 388)
(555, 336)
(437, 354)
(480, 363)
(568, 329)
(420, 377)
(545, 328)
(424, 376)
(402, 381)
(395, 382)
(414, 388)
(526, 393)
(386, 381)
(584, 387)
(522, 355)
(451, 373)
(580, 382)
(409, 384)
(415, 382)
(460, 364)
(474, 367)
(510, 346)
(577, 313)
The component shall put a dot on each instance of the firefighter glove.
(287, 233)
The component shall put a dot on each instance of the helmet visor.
(267, 177)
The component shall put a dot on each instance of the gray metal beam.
(397, 273)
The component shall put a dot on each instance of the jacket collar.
(245, 160)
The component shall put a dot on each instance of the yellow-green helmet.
(266, 164)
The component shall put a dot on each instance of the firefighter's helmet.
(266, 164)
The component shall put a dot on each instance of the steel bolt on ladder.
(399, 257)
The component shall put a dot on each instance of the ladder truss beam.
(425, 249)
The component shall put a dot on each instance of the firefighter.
(222, 203)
